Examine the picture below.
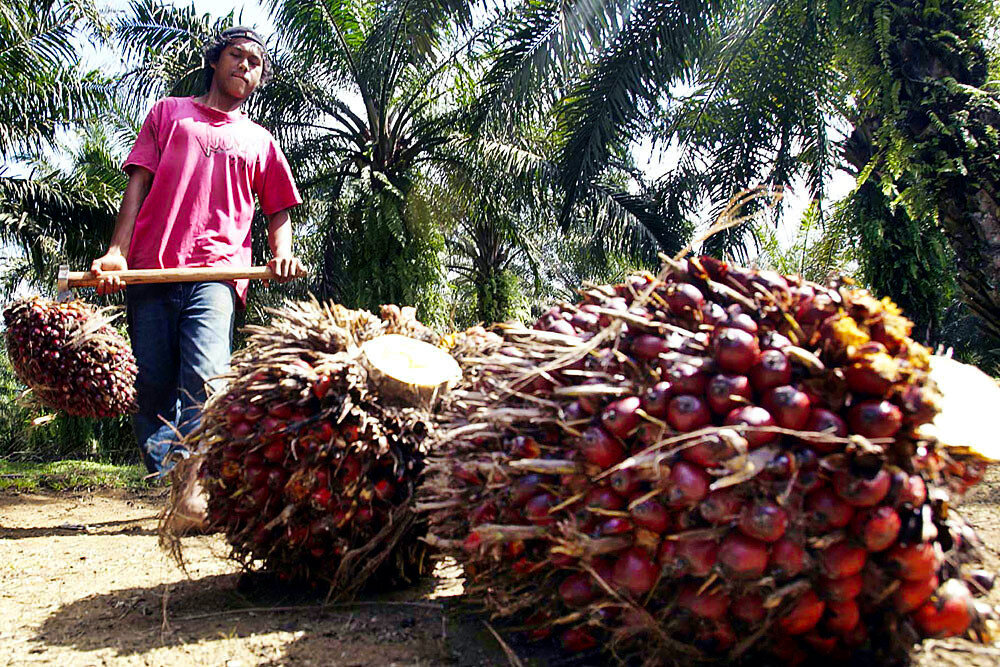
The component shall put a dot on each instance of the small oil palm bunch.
(71, 357)
(310, 457)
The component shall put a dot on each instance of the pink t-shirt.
(207, 166)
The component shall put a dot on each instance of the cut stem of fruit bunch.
(70, 357)
(310, 457)
(710, 464)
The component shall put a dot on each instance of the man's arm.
(284, 263)
(139, 182)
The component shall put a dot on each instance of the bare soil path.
(84, 582)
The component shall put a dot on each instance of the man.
(193, 173)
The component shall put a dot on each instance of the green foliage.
(928, 134)
(42, 89)
(822, 247)
(70, 475)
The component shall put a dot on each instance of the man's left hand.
(286, 267)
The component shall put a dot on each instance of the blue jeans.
(182, 337)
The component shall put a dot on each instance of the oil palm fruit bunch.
(309, 458)
(71, 357)
(712, 464)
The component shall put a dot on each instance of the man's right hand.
(104, 269)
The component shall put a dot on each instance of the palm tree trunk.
(940, 133)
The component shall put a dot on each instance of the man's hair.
(214, 51)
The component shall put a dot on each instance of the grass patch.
(70, 476)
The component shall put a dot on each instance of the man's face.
(240, 66)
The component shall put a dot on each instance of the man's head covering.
(243, 32)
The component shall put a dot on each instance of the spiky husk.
(590, 502)
(309, 473)
(70, 357)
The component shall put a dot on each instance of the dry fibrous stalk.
(71, 357)
(712, 464)
(308, 470)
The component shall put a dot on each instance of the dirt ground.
(83, 582)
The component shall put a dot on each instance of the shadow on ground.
(104, 528)
(376, 629)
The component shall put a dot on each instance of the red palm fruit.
(803, 615)
(229, 469)
(912, 490)
(656, 398)
(600, 448)
(667, 559)
(537, 509)
(651, 515)
(688, 485)
(845, 588)
(620, 417)
(704, 604)
(748, 608)
(235, 412)
(826, 421)
(841, 617)
(634, 572)
(696, 557)
(688, 413)
(648, 433)
(616, 525)
(321, 386)
(349, 470)
(819, 643)
(280, 410)
(755, 417)
(948, 614)
(735, 350)
(514, 549)
(787, 558)
(275, 452)
(772, 340)
(485, 513)
(525, 447)
(912, 594)
(781, 466)
(826, 511)
(913, 562)
(684, 299)
(603, 498)
(720, 506)
(742, 557)
(857, 491)
(320, 498)
(715, 637)
(350, 432)
(524, 489)
(255, 475)
(878, 528)
(772, 370)
(709, 452)
(727, 392)
(740, 320)
(764, 520)
(577, 589)
(788, 406)
(875, 419)
(276, 478)
(467, 475)
(253, 412)
(578, 639)
(842, 559)
(538, 626)
(648, 347)
(685, 378)
(623, 481)
(863, 378)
